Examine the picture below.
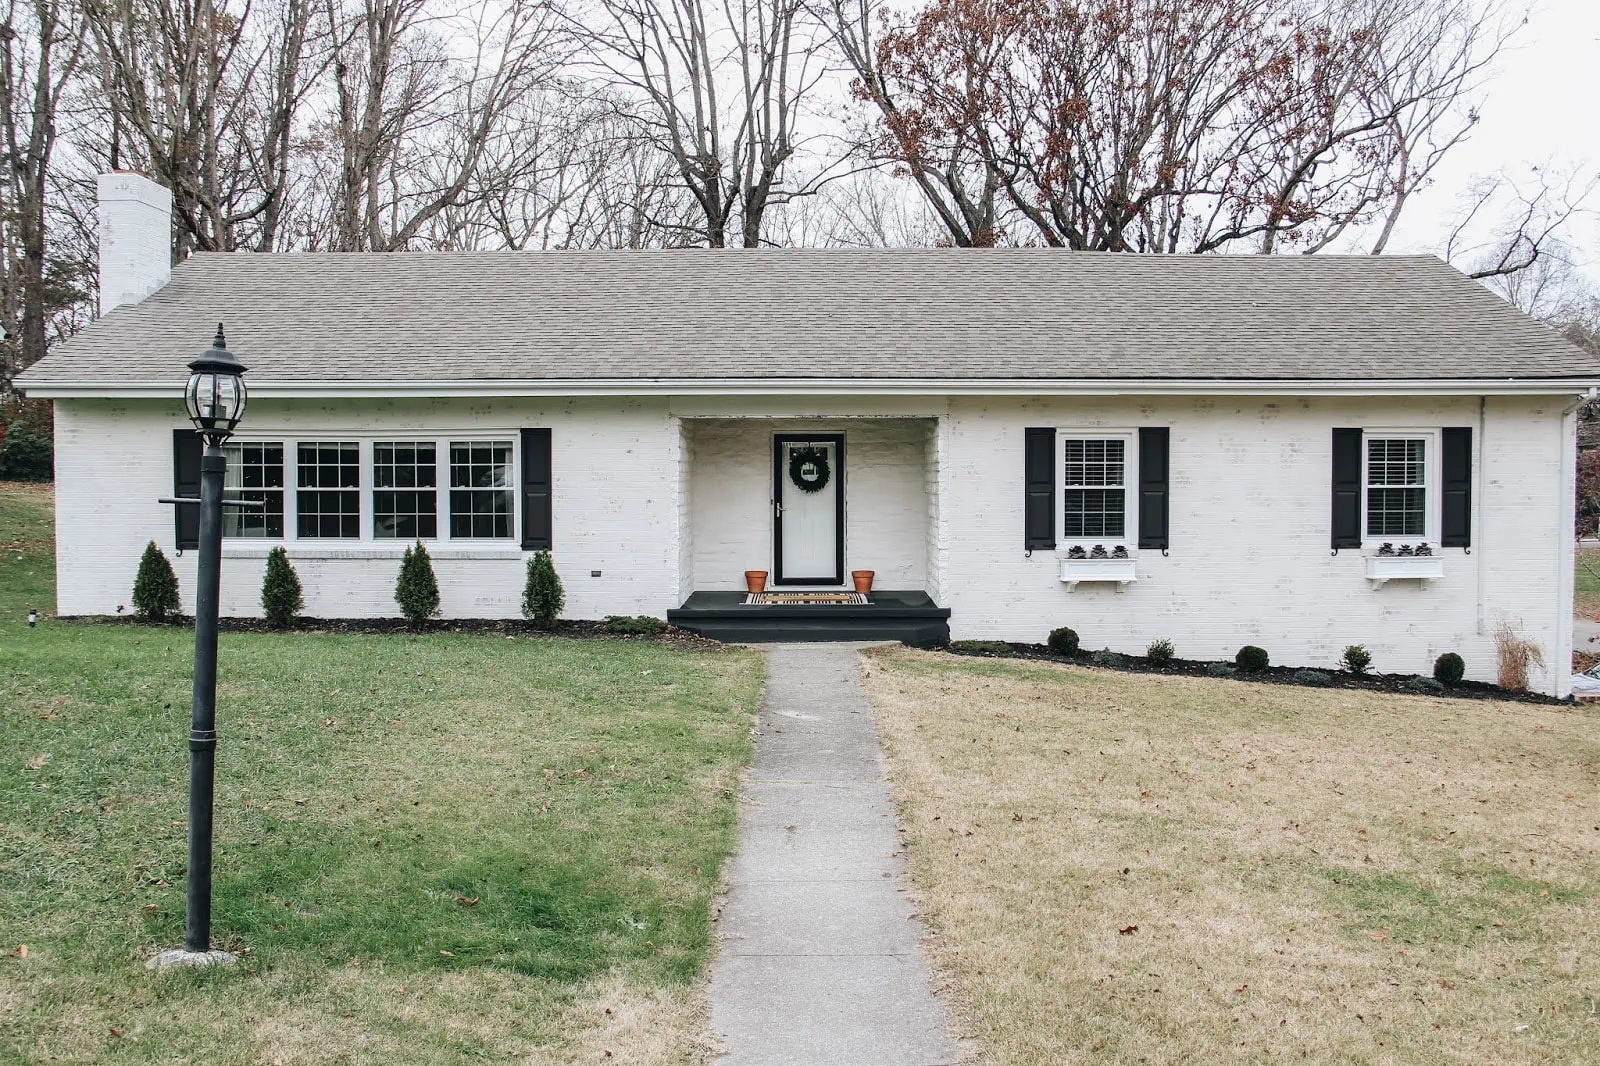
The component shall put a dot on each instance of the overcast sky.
(1543, 105)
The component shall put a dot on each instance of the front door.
(808, 509)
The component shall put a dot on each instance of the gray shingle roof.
(919, 314)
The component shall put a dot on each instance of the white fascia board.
(267, 388)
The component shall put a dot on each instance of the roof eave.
(268, 388)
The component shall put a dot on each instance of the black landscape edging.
(1393, 684)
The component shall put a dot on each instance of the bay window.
(328, 503)
(255, 472)
(482, 503)
(405, 497)
(367, 492)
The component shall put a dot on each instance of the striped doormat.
(807, 599)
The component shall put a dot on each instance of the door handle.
(777, 508)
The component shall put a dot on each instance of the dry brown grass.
(1130, 869)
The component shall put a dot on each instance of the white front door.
(808, 501)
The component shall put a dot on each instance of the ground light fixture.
(215, 396)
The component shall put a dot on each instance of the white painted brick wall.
(615, 470)
(135, 238)
(934, 450)
(684, 514)
(886, 509)
(1249, 560)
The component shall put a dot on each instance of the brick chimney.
(135, 238)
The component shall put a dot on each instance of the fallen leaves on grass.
(38, 761)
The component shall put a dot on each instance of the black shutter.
(1154, 442)
(186, 449)
(1039, 461)
(1346, 488)
(536, 513)
(1456, 459)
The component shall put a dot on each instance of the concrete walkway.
(820, 962)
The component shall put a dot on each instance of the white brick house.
(1248, 431)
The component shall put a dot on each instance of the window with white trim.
(375, 491)
(1397, 487)
(254, 472)
(328, 500)
(1094, 489)
(405, 490)
(482, 500)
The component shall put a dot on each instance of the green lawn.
(432, 849)
(1587, 598)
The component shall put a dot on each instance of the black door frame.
(780, 478)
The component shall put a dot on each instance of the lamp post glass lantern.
(215, 397)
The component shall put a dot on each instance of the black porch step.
(911, 617)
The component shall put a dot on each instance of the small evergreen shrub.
(543, 596)
(1425, 685)
(1356, 659)
(1063, 641)
(1315, 678)
(1221, 669)
(981, 647)
(26, 454)
(1160, 652)
(1107, 657)
(155, 588)
(1251, 659)
(634, 625)
(282, 599)
(1449, 668)
(417, 591)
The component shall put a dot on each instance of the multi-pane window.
(405, 490)
(255, 472)
(482, 503)
(1397, 487)
(1094, 496)
(328, 501)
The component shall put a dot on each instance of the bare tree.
(41, 43)
(205, 96)
(1168, 125)
(721, 91)
(413, 122)
(1535, 211)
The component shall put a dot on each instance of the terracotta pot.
(755, 580)
(863, 580)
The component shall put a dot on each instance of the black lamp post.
(215, 397)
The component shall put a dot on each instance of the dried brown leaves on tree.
(1169, 125)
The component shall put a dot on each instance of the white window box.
(1074, 571)
(1381, 568)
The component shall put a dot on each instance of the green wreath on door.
(808, 469)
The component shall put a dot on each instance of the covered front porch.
(810, 502)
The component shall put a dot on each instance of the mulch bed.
(1273, 675)
(508, 627)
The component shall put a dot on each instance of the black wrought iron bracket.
(241, 505)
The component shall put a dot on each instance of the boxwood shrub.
(1063, 641)
(1251, 659)
(1449, 668)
